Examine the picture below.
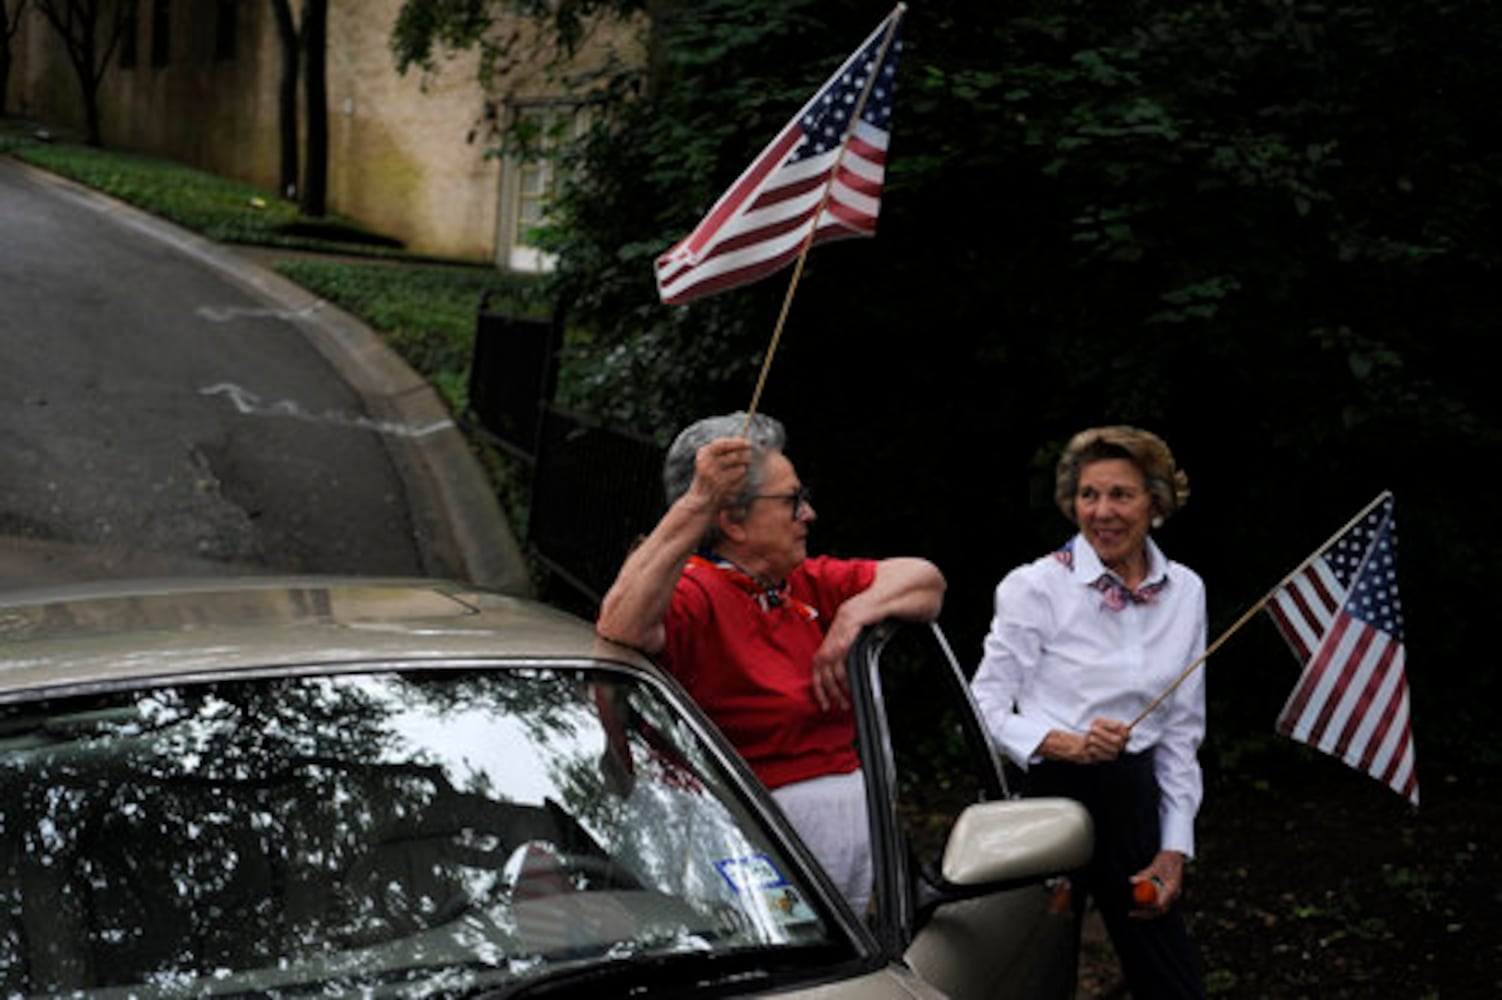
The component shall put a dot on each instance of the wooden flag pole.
(813, 228)
(1202, 658)
(787, 301)
(1253, 611)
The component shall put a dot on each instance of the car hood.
(85, 634)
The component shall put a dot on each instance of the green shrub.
(427, 312)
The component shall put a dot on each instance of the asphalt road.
(168, 406)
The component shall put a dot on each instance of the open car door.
(965, 872)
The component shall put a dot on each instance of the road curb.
(462, 532)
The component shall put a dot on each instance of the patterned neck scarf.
(767, 596)
(1115, 594)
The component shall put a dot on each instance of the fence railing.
(513, 371)
(595, 489)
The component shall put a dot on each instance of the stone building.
(197, 81)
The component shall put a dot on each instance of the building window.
(161, 32)
(529, 180)
(130, 48)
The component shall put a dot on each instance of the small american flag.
(1341, 615)
(762, 222)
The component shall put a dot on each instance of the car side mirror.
(1018, 840)
(1000, 845)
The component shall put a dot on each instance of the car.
(342, 786)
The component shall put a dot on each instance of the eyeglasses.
(801, 500)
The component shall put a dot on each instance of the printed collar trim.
(767, 597)
(1115, 594)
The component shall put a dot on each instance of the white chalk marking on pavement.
(251, 404)
(223, 314)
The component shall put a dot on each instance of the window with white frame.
(529, 179)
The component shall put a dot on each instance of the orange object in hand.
(1145, 893)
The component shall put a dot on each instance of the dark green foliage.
(423, 26)
(1267, 230)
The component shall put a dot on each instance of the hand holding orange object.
(1150, 897)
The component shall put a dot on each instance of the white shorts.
(829, 813)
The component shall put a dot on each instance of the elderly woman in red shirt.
(724, 593)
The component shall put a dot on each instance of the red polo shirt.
(751, 670)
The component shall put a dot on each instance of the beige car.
(405, 788)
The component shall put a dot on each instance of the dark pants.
(1157, 956)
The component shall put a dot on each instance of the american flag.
(1341, 615)
(762, 222)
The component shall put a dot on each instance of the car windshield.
(398, 831)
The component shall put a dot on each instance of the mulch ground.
(1315, 881)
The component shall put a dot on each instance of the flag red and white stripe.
(829, 161)
(1341, 615)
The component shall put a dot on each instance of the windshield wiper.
(678, 973)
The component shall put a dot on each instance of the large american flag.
(1341, 615)
(762, 222)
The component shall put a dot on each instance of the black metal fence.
(595, 489)
(513, 371)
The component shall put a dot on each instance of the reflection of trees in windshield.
(194, 830)
(645, 797)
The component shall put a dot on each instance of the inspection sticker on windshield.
(750, 873)
(758, 875)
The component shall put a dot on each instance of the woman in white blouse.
(1083, 640)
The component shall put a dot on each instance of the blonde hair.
(1167, 484)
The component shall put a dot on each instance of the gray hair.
(765, 433)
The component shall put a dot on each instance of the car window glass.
(941, 765)
(438, 829)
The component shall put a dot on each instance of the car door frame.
(1027, 941)
(913, 894)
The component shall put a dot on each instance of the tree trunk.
(77, 22)
(314, 201)
(4, 74)
(93, 121)
(286, 97)
(83, 53)
(9, 25)
(658, 11)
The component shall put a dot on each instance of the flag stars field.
(1341, 616)
(819, 179)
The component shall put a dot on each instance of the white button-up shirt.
(1059, 656)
